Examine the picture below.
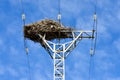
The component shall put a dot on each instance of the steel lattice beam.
(60, 51)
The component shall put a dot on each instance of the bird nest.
(50, 28)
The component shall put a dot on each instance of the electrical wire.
(95, 38)
(95, 28)
(59, 11)
(93, 41)
(25, 43)
(29, 69)
(91, 66)
(59, 18)
(90, 61)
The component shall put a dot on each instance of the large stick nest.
(50, 28)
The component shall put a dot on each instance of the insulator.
(26, 50)
(95, 17)
(23, 16)
(91, 51)
(59, 16)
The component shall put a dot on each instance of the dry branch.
(52, 30)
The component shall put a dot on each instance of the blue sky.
(76, 13)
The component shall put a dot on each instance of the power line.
(95, 28)
(93, 41)
(59, 17)
(25, 43)
(59, 11)
(29, 69)
(90, 68)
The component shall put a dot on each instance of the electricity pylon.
(60, 51)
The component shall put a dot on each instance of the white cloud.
(103, 3)
(8, 69)
(77, 65)
(80, 64)
(1, 42)
(38, 76)
(12, 71)
(14, 50)
(111, 78)
(2, 46)
(2, 70)
(118, 15)
(18, 2)
(116, 43)
(24, 79)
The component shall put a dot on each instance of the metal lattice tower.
(61, 51)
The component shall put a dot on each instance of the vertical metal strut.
(59, 63)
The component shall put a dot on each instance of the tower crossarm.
(77, 37)
(59, 51)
